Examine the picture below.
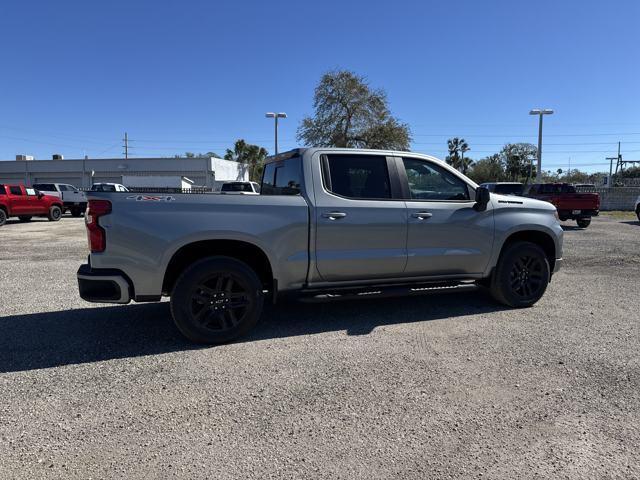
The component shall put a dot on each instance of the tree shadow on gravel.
(51, 339)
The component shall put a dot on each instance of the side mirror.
(40, 194)
(482, 198)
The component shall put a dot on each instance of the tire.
(221, 280)
(76, 212)
(521, 276)
(584, 222)
(638, 213)
(24, 218)
(55, 212)
(3, 217)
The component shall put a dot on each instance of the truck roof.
(300, 151)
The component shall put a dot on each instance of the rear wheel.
(3, 217)
(521, 276)
(216, 300)
(55, 212)
(584, 222)
(25, 218)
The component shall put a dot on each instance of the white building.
(159, 172)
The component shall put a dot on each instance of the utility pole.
(275, 116)
(540, 112)
(126, 146)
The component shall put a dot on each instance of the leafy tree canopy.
(348, 113)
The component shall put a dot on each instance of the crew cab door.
(360, 218)
(446, 234)
(34, 204)
(17, 199)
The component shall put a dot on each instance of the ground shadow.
(632, 222)
(50, 339)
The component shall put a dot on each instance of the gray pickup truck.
(328, 223)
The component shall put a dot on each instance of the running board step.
(386, 291)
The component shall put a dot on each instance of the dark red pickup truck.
(25, 203)
(570, 204)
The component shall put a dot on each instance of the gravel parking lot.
(449, 386)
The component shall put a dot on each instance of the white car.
(638, 207)
(72, 198)
(241, 188)
(108, 187)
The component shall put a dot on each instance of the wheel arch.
(543, 239)
(246, 252)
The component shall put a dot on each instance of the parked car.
(570, 204)
(26, 203)
(329, 223)
(504, 188)
(240, 188)
(638, 207)
(108, 187)
(72, 198)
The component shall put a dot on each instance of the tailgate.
(577, 201)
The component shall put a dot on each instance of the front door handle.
(334, 215)
(422, 215)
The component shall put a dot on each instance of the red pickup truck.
(25, 203)
(570, 204)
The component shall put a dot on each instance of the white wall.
(228, 170)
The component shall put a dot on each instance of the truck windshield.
(45, 187)
(509, 188)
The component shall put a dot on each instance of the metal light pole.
(540, 112)
(276, 116)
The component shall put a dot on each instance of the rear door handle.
(422, 215)
(334, 215)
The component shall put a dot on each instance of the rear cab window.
(15, 190)
(2, 190)
(364, 177)
(282, 177)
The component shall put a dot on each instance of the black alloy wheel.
(526, 277)
(220, 303)
(216, 300)
(521, 276)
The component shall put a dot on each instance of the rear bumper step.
(103, 286)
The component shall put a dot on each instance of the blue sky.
(196, 75)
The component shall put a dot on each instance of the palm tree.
(457, 147)
(252, 155)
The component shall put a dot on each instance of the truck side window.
(2, 190)
(428, 181)
(357, 176)
(15, 190)
(31, 191)
(282, 178)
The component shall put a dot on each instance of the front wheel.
(521, 276)
(55, 212)
(3, 217)
(638, 213)
(584, 222)
(25, 218)
(76, 212)
(216, 300)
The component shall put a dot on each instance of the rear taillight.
(95, 233)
